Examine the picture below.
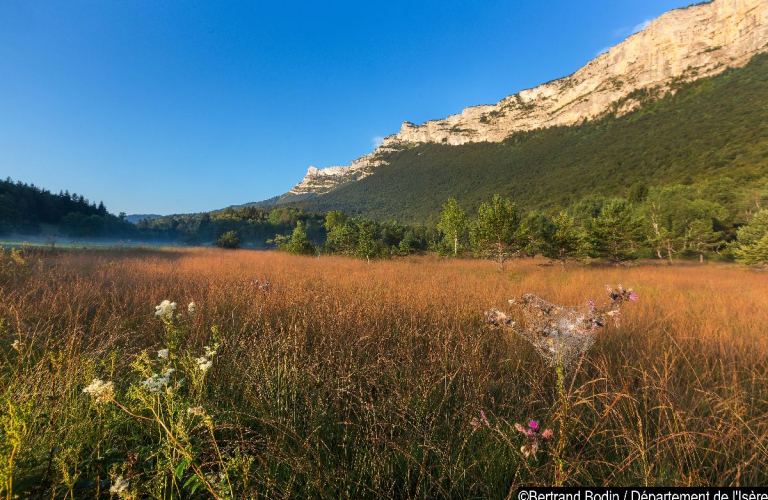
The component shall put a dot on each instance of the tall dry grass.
(353, 380)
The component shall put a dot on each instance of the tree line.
(24, 208)
(665, 223)
(673, 222)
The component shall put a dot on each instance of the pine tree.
(493, 234)
(563, 240)
(752, 246)
(299, 243)
(613, 232)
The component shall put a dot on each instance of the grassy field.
(342, 379)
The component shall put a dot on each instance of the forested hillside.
(24, 207)
(712, 134)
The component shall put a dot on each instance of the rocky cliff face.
(319, 181)
(681, 45)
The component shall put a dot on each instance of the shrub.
(230, 240)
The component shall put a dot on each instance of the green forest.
(683, 176)
(711, 135)
(28, 211)
(666, 223)
(25, 209)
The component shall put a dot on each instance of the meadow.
(299, 377)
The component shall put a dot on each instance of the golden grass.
(355, 380)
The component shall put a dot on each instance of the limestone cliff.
(681, 45)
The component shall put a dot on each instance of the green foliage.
(453, 225)
(254, 225)
(23, 207)
(14, 265)
(334, 219)
(297, 243)
(676, 219)
(342, 236)
(367, 239)
(712, 135)
(493, 233)
(531, 233)
(752, 246)
(562, 239)
(613, 232)
(230, 240)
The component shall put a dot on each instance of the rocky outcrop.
(319, 181)
(680, 46)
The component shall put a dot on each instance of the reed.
(343, 379)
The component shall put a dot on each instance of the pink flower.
(484, 418)
(533, 437)
(633, 297)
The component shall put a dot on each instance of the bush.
(297, 243)
(230, 240)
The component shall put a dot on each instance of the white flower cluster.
(191, 308)
(204, 363)
(156, 382)
(163, 353)
(165, 309)
(196, 411)
(119, 485)
(102, 391)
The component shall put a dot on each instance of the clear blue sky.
(158, 106)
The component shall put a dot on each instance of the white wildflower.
(119, 485)
(210, 351)
(191, 308)
(156, 382)
(203, 363)
(165, 309)
(197, 411)
(163, 353)
(102, 391)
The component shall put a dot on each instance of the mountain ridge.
(711, 134)
(681, 45)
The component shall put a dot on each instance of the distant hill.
(134, 218)
(712, 132)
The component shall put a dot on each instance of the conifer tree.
(493, 234)
(613, 232)
(752, 241)
(563, 240)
